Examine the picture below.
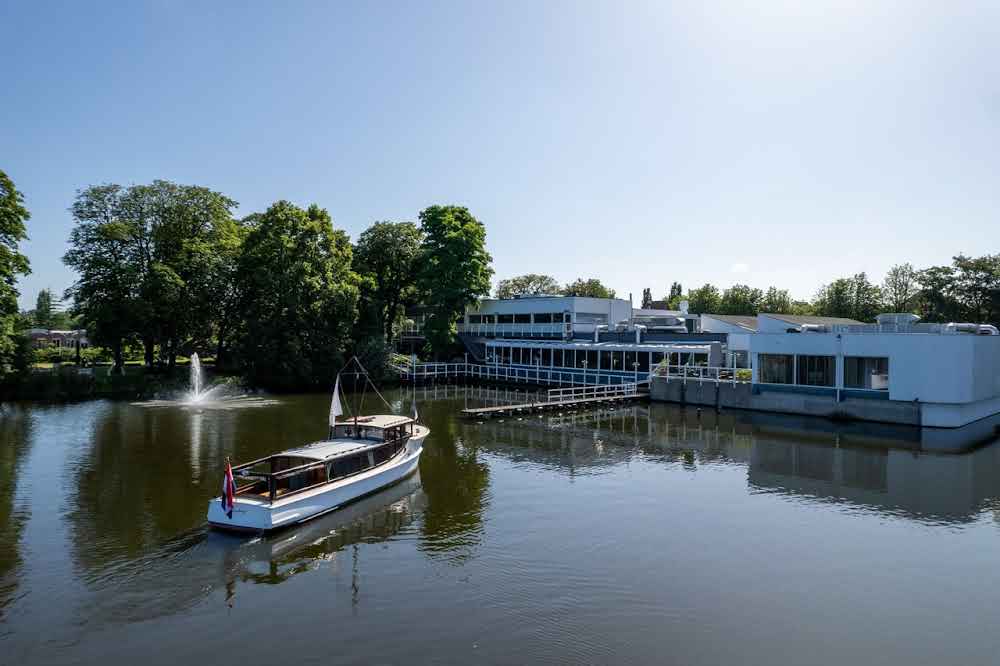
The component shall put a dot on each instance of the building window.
(546, 357)
(475, 319)
(522, 319)
(543, 318)
(489, 319)
(505, 319)
(591, 318)
(776, 368)
(816, 371)
(866, 372)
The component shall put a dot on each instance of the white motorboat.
(361, 456)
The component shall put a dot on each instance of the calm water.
(644, 534)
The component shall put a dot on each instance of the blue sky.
(641, 143)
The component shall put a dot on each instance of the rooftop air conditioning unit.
(897, 319)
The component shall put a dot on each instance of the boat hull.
(251, 515)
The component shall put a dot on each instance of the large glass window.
(866, 372)
(644, 361)
(817, 371)
(776, 368)
(592, 359)
(630, 361)
(505, 319)
(489, 319)
(475, 319)
(543, 318)
(591, 318)
(546, 357)
(522, 319)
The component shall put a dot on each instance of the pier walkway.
(568, 398)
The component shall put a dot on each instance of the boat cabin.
(354, 447)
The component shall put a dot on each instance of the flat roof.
(810, 319)
(744, 321)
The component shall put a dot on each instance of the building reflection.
(16, 427)
(921, 474)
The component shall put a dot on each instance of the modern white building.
(543, 316)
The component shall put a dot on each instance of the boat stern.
(248, 516)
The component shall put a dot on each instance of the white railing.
(701, 373)
(597, 391)
(520, 374)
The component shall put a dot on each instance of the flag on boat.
(228, 491)
(335, 408)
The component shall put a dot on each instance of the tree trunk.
(149, 345)
(172, 353)
(119, 352)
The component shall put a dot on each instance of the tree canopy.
(590, 287)
(13, 264)
(299, 297)
(526, 285)
(454, 269)
(387, 255)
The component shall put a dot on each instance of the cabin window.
(816, 371)
(866, 372)
(776, 368)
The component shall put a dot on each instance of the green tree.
(388, 253)
(105, 294)
(299, 297)
(704, 300)
(741, 300)
(647, 298)
(454, 269)
(854, 298)
(936, 299)
(977, 286)
(900, 288)
(43, 309)
(526, 285)
(777, 301)
(13, 216)
(592, 288)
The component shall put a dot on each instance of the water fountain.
(197, 393)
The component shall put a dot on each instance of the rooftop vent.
(897, 319)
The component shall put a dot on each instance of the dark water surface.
(645, 534)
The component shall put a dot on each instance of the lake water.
(644, 534)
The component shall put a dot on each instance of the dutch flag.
(228, 491)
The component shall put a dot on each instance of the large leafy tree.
(148, 253)
(299, 297)
(591, 287)
(704, 300)
(741, 300)
(854, 298)
(777, 301)
(454, 269)
(900, 288)
(101, 252)
(387, 256)
(526, 285)
(647, 298)
(13, 216)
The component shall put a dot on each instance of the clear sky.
(757, 142)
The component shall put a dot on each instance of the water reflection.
(876, 467)
(15, 443)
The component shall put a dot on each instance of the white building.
(952, 372)
(543, 316)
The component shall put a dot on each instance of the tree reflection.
(456, 483)
(15, 435)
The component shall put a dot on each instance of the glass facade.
(817, 371)
(776, 368)
(866, 372)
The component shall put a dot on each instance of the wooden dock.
(564, 400)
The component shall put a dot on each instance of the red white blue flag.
(228, 491)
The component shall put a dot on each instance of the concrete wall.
(745, 396)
